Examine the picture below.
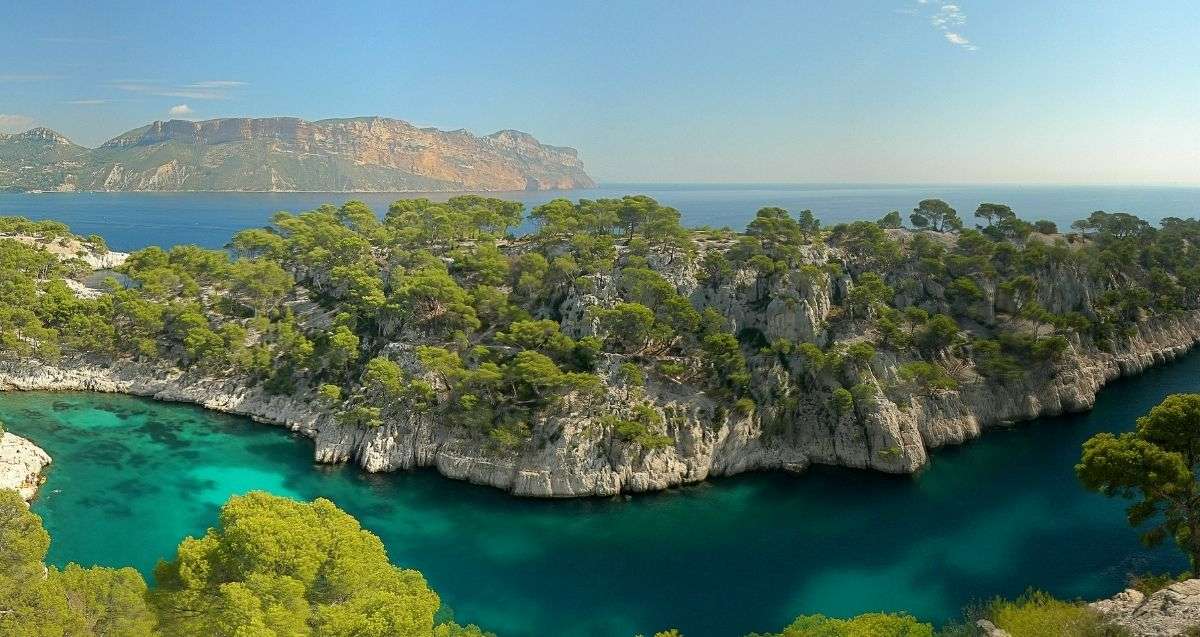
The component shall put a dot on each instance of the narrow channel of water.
(131, 477)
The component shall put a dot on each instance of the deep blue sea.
(134, 220)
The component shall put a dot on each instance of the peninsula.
(611, 350)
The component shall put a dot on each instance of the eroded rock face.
(1168, 612)
(21, 465)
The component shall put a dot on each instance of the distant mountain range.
(366, 154)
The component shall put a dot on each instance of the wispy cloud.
(88, 102)
(954, 38)
(948, 18)
(77, 40)
(15, 123)
(206, 90)
(180, 110)
(219, 84)
(26, 77)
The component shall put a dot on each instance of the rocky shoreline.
(577, 464)
(1172, 611)
(21, 465)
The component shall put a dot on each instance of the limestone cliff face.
(574, 457)
(21, 465)
(573, 452)
(290, 154)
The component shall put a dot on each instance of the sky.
(861, 91)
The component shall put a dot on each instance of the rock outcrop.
(21, 465)
(366, 154)
(1174, 610)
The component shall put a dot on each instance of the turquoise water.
(134, 220)
(132, 477)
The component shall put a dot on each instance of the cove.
(131, 477)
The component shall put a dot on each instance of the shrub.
(1036, 614)
(927, 376)
(869, 624)
(843, 401)
(632, 375)
(745, 406)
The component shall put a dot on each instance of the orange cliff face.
(285, 153)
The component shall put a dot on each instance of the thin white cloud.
(88, 102)
(180, 110)
(219, 84)
(948, 18)
(22, 77)
(15, 123)
(206, 90)
(77, 40)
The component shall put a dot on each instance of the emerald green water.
(132, 477)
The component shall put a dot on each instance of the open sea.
(135, 220)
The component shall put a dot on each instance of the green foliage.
(291, 568)
(868, 625)
(1036, 614)
(632, 375)
(868, 292)
(891, 220)
(842, 401)
(935, 215)
(37, 601)
(993, 362)
(641, 428)
(631, 327)
(938, 333)
(1156, 467)
(1043, 226)
(927, 378)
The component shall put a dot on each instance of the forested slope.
(611, 349)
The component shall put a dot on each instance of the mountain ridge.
(282, 154)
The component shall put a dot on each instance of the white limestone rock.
(21, 465)
(1171, 611)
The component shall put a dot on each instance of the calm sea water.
(134, 220)
(131, 477)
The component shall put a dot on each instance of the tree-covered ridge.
(436, 310)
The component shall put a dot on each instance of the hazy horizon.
(873, 91)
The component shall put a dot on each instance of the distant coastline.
(288, 154)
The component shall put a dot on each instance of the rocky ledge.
(21, 465)
(1174, 610)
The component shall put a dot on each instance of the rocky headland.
(282, 154)
(892, 429)
(580, 464)
(638, 370)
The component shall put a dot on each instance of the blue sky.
(1072, 91)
